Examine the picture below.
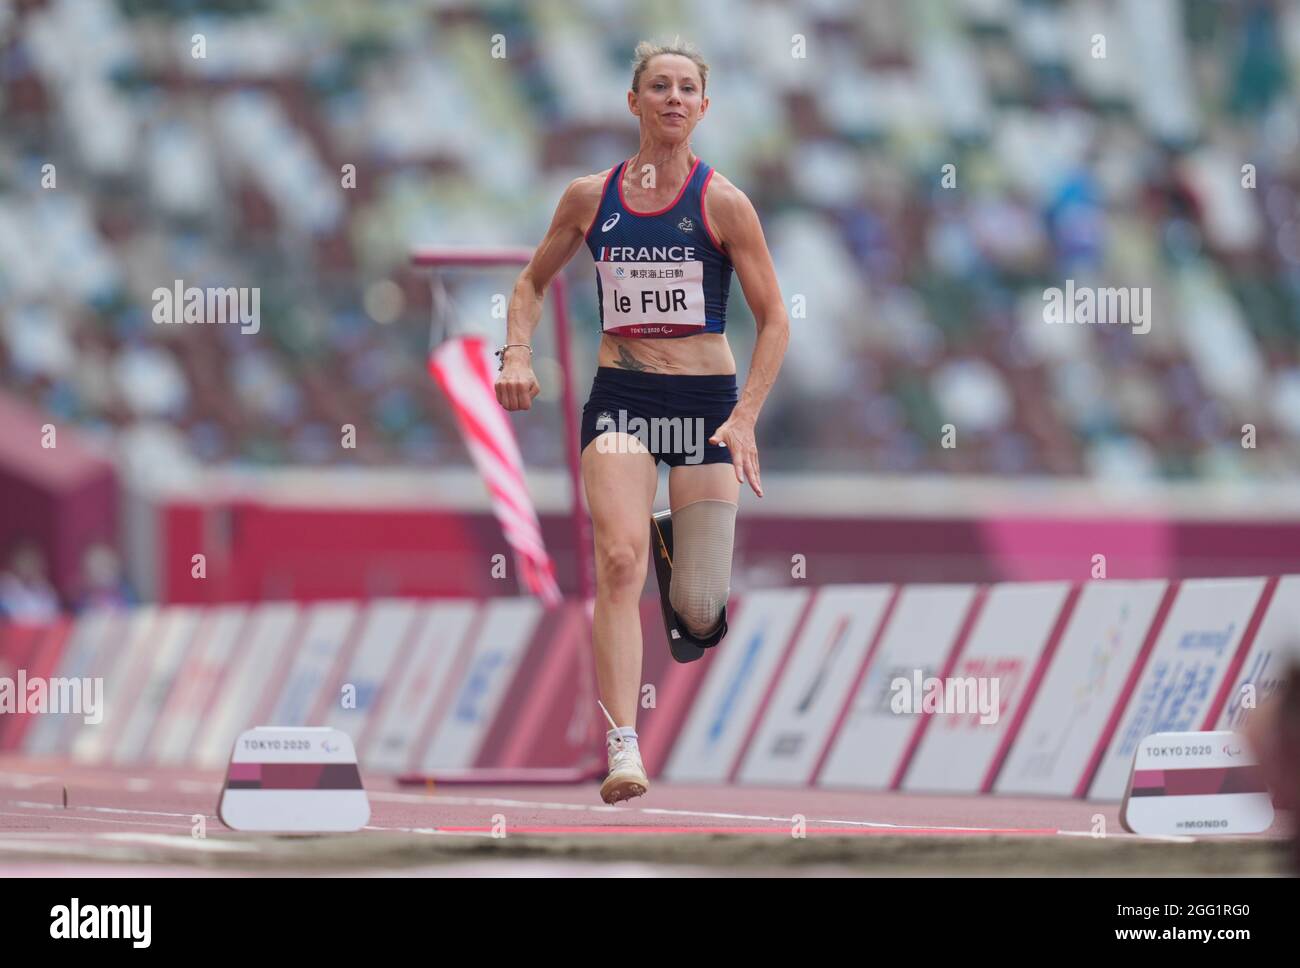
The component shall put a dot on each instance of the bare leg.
(620, 493)
(688, 483)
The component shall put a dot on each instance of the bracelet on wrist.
(501, 353)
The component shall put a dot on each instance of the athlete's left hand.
(737, 435)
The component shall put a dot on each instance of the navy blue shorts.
(672, 414)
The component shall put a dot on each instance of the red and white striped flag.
(461, 367)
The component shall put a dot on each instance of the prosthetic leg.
(685, 645)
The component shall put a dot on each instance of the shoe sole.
(616, 789)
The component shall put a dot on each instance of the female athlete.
(665, 231)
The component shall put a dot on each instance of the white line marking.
(432, 830)
(489, 802)
(659, 811)
(81, 806)
(61, 816)
(742, 816)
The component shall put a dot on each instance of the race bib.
(652, 298)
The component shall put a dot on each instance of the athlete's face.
(670, 100)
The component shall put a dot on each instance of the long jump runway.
(123, 822)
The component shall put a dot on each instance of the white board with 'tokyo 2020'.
(294, 779)
(1195, 783)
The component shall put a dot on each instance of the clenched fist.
(516, 385)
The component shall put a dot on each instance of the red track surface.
(130, 803)
(139, 799)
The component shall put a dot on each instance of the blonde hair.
(646, 50)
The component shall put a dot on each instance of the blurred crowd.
(924, 171)
(28, 596)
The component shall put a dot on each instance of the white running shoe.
(627, 777)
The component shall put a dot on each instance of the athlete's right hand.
(516, 385)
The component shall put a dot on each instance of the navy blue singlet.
(659, 274)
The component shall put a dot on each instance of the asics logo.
(610, 222)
